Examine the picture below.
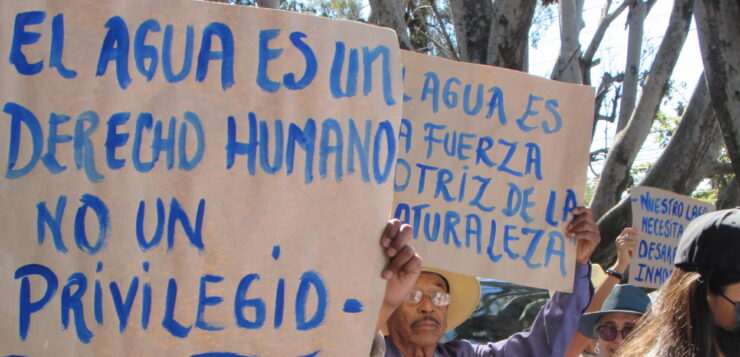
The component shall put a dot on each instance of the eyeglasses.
(609, 332)
(736, 303)
(438, 298)
(737, 310)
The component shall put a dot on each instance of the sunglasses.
(736, 303)
(438, 298)
(609, 332)
(736, 324)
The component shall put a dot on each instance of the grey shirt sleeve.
(378, 347)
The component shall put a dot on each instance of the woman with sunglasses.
(697, 310)
(617, 318)
(604, 281)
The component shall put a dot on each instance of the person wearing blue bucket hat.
(697, 310)
(622, 308)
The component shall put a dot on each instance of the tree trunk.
(615, 176)
(509, 33)
(728, 196)
(681, 167)
(472, 21)
(272, 4)
(685, 162)
(718, 24)
(568, 66)
(389, 13)
(637, 15)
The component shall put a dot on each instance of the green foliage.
(418, 18)
(664, 127)
(298, 6)
(705, 193)
(237, 2)
(292, 5)
(590, 189)
(339, 9)
(710, 188)
(544, 18)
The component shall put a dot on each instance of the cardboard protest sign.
(491, 161)
(184, 178)
(661, 217)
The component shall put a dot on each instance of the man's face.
(618, 321)
(421, 324)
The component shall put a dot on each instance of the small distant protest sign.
(184, 178)
(491, 162)
(661, 217)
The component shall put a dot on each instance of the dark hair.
(680, 322)
(702, 323)
(719, 279)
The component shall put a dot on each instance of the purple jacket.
(550, 335)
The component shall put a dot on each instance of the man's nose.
(618, 337)
(426, 305)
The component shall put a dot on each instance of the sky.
(612, 55)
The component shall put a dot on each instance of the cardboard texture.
(186, 178)
(182, 178)
(490, 163)
(661, 217)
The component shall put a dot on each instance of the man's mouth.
(426, 323)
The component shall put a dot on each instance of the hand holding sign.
(178, 185)
(485, 169)
(402, 270)
(626, 243)
(584, 229)
(404, 261)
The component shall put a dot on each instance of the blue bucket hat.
(623, 298)
(711, 242)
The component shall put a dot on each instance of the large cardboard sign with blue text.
(181, 178)
(491, 161)
(661, 217)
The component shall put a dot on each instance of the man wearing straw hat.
(421, 304)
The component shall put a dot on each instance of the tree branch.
(728, 196)
(442, 29)
(390, 14)
(719, 168)
(718, 29)
(440, 46)
(271, 4)
(613, 179)
(472, 21)
(679, 169)
(509, 33)
(588, 56)
(568, 66)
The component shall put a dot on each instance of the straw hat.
(464, 293)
